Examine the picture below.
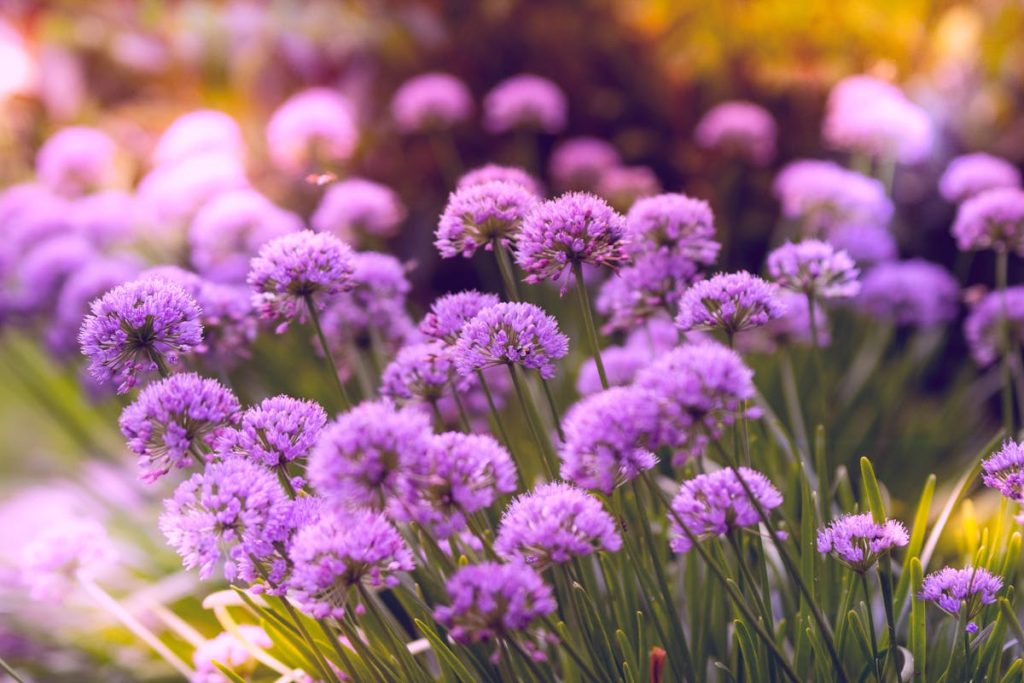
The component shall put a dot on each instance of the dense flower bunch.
(741, 129)
(972, 174)
(731, 302)
(815, 268)
(967, 589)
(821, 196)
(993, 219)
(1004, 471)
(511, 334)
(355, 207)
(858, 541)
(480, 215)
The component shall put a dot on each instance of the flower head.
(355, 206)
(199, 132)
(823, 195)
(815, 268)
(972, 174)
(314, 125)
(914, 292)
(741, 129)
(511, 334)
(650, 286)
(450, 313)
(431, 101)
(982, 328)
(577, 163)
(421, 371)
(969, 588)
(993, 219)
(1004, 471)
(478, 215)
(623, 186)
(50, 564)
(507, 174)
(858, 541)
(171, 194)
(525, 101)
(279, 430)
(675, 223)
(621, 364)
(41, 272)
(76, 159)
(866, 244)
(731, 302)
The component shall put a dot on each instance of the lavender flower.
(356, 206)
(171, 194)
(982, 327)
(623, 186)
(296, 268)
(525, 101)
(421, 371)
(652, 285)
(914, 292)
(858, 541)
(866, 244)
(577, 163)
(52, 562)
(431, 101)
(313, 126)
(993, 219)
(717, 504)
(741, 129)
(953, 590)
(608, 438)
(199, 132)
(731, 302)
(794, 327)
(674, 223)
(106, 219)
(621, 364)
(972, 174)
(174, 421)
(823, 195)
(478, 215)
(42, 271)
(508, 174)
(76, 159)
(279, 430)
(511, 334)
(1004, 471)
(815, 268)
(450, 313)
(139, 327)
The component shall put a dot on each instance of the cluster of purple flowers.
(730, 302)
(858, 541)
(740, 129)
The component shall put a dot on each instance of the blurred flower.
(814, 268)
(356, 207)
(525, 101)
(866, 244)
(449, 314)
(652, 285)
(675, 223)
(311, 128)
(172, 193)
(621, 363)
(914, 292)
(793, 327)
(52, 562)
(858, 541)
(578, 163)
(993, 219)
(42, 271)
(731, 302)
(511, 334)
(420, 371)
(1004, 471)
(478, 215)
(822, 195)
(199, 132)
(227, 650)
(431, 101)
(76, 160)
(971, 174)
(970, 588)
(623, 186)
(741, 129)
(19, 73)
(982, 326)
(508, 174)
(107, 219)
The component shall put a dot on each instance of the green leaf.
(232, 676)
(749, 652)
(1013, 673)
(445, 657)
(924, 504)
(918, 636)
(871, 491)
(1006, 610)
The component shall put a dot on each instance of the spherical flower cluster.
(507, 174)
(450, 313)
(355, 206)
(716, 504)
(199, 132)
(652, 285)
(511, 334)
(479, 215)
(553, 524)
(525, 101)
(41, 272)
(431, 101)
(51, 563)
(492, 600)
(608, 438)
(1004, 471)
(298, 268)
(858, 541)
(174, 421)
(815, 268)
(970, 588)
(823, 195)
(914, 292)
(341, 551)
(139, 327)
(575, 228)
(76, 159)
(420, 371)
(675, 223)
(866, 244)
(982, 328)
(171, 194)
(279, 430)
(621, 364)
(577, 163)
(107, 219)
(972, 174)
(993, 219)
(315, 125)
(81, 287)
(731, 302)
(228, 650)
(623, 186)
(741, 129)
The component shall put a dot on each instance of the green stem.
(571, 650)
(494, 410)
(554, 409)
(793, 407)
(506, 268)
(9, 670)
(819, 364)
(463, 416)
(583, 299)
(438, 418)
(1002, 266)
(545, 450)
(871, 625)
(346, 403)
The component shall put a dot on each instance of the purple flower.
(914, 292)
(362, 457)
(234, 508)
(699, 389)
(421, 371)
(507, 174)
(525, 101)
(343, 550)
(717, 504)
(229, 651)
(794, 327)
(478, 215)
(172, 423)
(492, 600)
(199, 132)
(731, 302)
(313, 126)
(172, 193)
(51, 562)
(139, 327)
(553, 524)
(740, 129)
(621, 364)
(450, 313)
(982, 326)
(815, 268)
(299, 267)
(675, 223)
(279, 430)
(1004, 471)
(858, 541)
(356, 206)
(577, 163)
(822, 195)
(107, 219)
(623, 186)
(652, 285)
(969, 588)
(573, 228)
(431, 101)
(41, 272)
(76, 159)
(511, 334)
(866, 244)
(608, 438)
(972, 174)
(993, 219)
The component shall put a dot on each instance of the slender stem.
(494, 410)
(793, 407)
(339, 649)
(550, 623)
(9, 670)
(463, 416)
(588, 321)
(530, 664)
(346, 403)
(508, 278)
(885, 584)
(438, 417)
(545, 450)
(819, 364)
(554, 409)
(1002, 266)
(363, 375)
(321, 661)
(871, 625)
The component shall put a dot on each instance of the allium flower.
(675, 223)
(972, 174)
(109, 218)
(478, 215)
(508, 174)
(608, 438)
(815, 268)
(199, 132)
(355, 206)
(511, 334)
(76, 159)
(341, 551)
(525, 101)
(313, 126)
(172, 193)
(577, 163)
(174, 421)
(554, 523)
(421, 371)
(914, 292)
(431, 101)
(81, 287)
(363, 455)
(731, 302)
(717, 504)
(575, 228)
(1004, 471)
(279, 430)
(234, 508)
(229, 230)
(227, 650)
(866, 244)
(50, 564)
(699, 389)
(970, 588)
(742, 129)
(982, 327)
(298, 267)
(621, 363)
(858, 541)
(42, 271)
(139, 327)
(652, 285)
(623, 186)
(823, 195)
(993, 219)
(450, 313)
(492, 600)
(793, 327)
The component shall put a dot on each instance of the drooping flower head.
(866, 244)
(1004, 471)
(623, 186)
(298, 267)
(315, 125)
(673, 222)
(356, 206)
(138, 328)
(968, 589)
(739, 129)
(525, 101)
(76, 159)
(425, 372)
(431, 101)
(731, 302)
(199, 132)
(577, 163)
(278, 430)
(716, 504)
(341, 551)
(511, 334)
(914, 292)
(815, 268)
(822, 195)
(450, 313)
(858, 541)
(508, 174)
(621, 364)
(993, 219)
(650, 286)
(478, 215)
(173, 422)
(553, 524)
(972, 174)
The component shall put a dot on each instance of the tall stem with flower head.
(508, 277)
(1002, 268)
(583, 299)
